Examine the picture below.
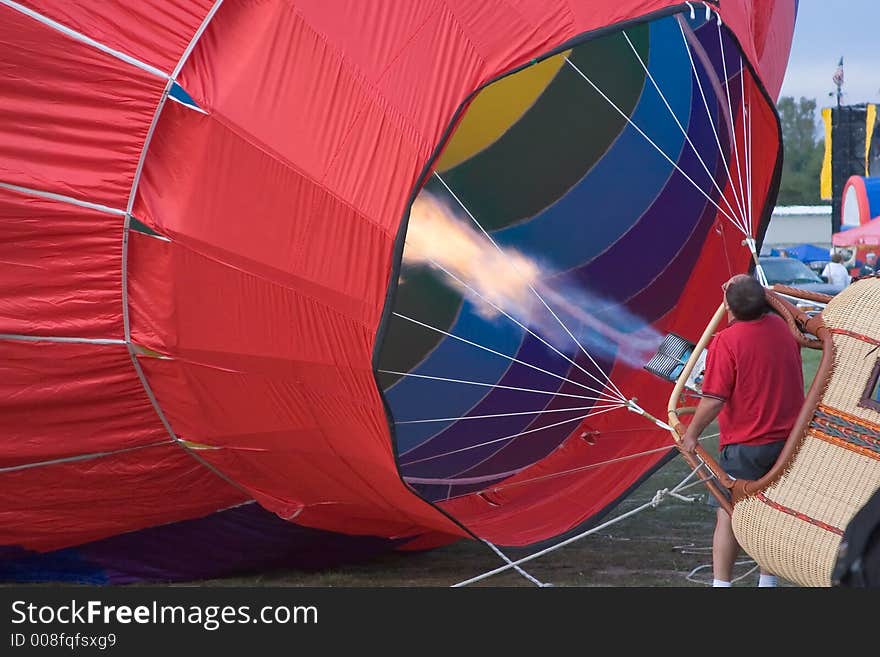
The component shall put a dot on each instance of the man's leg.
(724, 548)
(767, 580)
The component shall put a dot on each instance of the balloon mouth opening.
(510, 321)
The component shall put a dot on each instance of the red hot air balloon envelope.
(225, 341)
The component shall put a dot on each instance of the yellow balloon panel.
(496, 108)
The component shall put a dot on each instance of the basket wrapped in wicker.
(792, 520)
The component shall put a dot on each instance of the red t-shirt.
(755, 368)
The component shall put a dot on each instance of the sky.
(825, 31)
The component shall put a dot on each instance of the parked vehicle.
(794, 273)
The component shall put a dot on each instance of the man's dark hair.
(745, 298)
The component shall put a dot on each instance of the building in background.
(798, 224)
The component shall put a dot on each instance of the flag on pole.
(838, 74)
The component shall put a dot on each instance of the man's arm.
(707, 410)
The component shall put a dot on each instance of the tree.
(802, 163)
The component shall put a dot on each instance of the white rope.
(633, 407)
(746, 164)
(487, 385)
(759, 269)
(652, 143)
(531, 287)
(730, 110)
(518, 323)
(690, 576)
(485, 417)
(510, 437)
(522, 572)
(502, 355)
(650, 504)
(678, 123)
(749, 162)
(690, 548)
(742, 228)
(591, 466)
(562, 473)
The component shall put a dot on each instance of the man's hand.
(707, 410)
(689, 441)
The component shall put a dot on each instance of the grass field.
(657, 547)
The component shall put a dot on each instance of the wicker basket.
(793, 526)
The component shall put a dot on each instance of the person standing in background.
(870, 266)
(835, 273)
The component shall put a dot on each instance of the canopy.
(867, 234)
(808, 252)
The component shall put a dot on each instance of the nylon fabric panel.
(273, 38)
(73, 119)
(377, 168)
(206, 185)
(506, 34)
(516, 516)
(496, 108)
(774, 49)
(764, 31)
(438, 305)
(62, 269)
(765, 144)
(373, 33)
(773, 26)
(346, 138)
(354, 518)
(153, 31)
(66, 504)
(184, 303)
(596, 15)
(552, 146)
(244, 538)
(305, 367)
(432, 75)
(59, 400)
(290, 427)
(595, 482)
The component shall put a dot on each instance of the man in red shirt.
(754, 385)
